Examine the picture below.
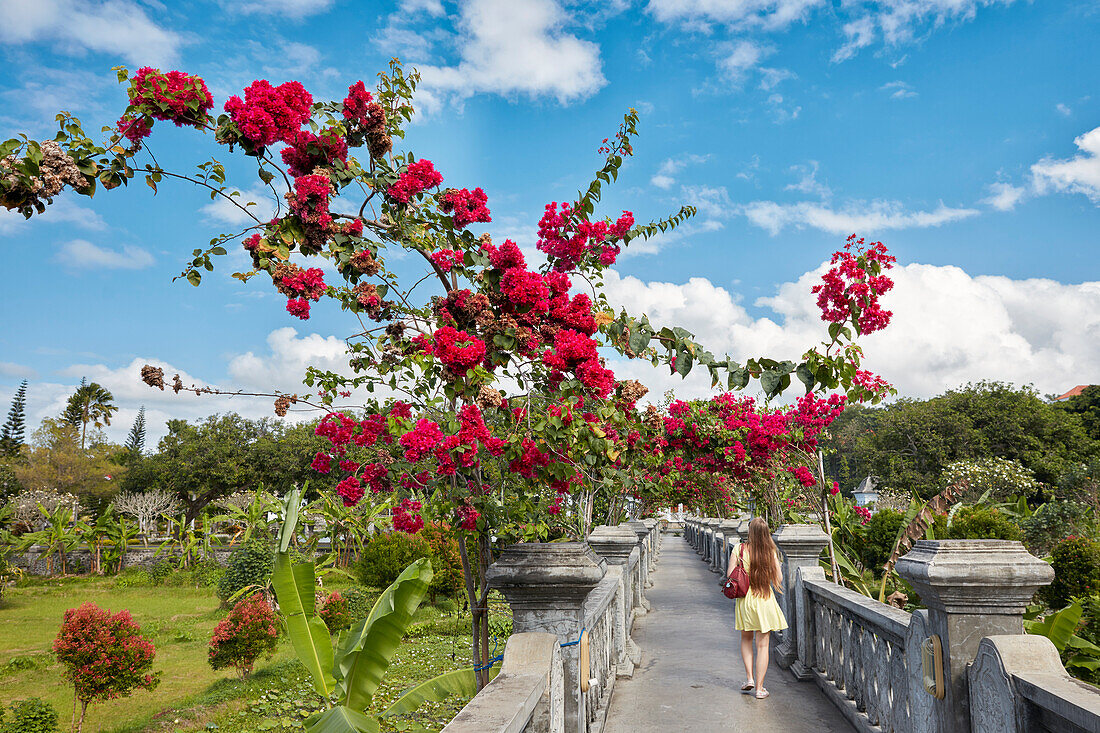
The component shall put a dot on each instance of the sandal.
(747, 687)
(762, 693)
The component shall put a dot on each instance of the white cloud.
(865, 217)
(258, 201)
(1063, 109)
(1004, 196)
(117, 27)
(898, 90)
(62, 210)
(516, 49)
(11, 369)
(664, 177)
(807, 181)
(1080, 174)
(860, 34)
(771, 78)
(948, 328)
(658, 242)
(712, 201)
(763, 14)
(82, 254)
(288, 8)
(737, 60)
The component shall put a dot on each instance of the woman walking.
(758, 612)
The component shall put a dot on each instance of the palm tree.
(91, 403)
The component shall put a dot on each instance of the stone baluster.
(973, 589)
(616, 545)
(800, 546)
(728, 528)
(642, 534)
(546, 585)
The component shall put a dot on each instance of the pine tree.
(74, 413)
(12, 433)
(135, 443)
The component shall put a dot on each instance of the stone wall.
(573, 609)
(866, 655)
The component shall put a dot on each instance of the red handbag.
(737, 584)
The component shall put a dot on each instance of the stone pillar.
(642, 533)
(546, 584)
(615, 545)
(973, 589)
(743, 529)
(728, 527)
(800, 546)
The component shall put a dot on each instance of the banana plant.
(251, 519)
(119, 534)
(351, 667)
(1060, 628)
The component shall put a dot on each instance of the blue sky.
(965, 134)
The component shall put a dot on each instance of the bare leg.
(746, 654)
(762, 640)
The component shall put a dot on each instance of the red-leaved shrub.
(104, 656)
(240, 638)
(334, 612)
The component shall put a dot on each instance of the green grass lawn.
(191, 696)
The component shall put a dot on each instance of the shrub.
(983, 523)
(249, 564)
(133, 578)
(1076, 562)
(385, 555)
(359, 600)
(878, 539)
(240, 638)
(162, 569)
(104, 656)
(1051, 522)
(30, 716)
(334, 612)
(206, 573)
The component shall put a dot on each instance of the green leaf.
(770, 381)
(290, 521)
(683, 363)
(364, 656)
(194, 277)
(458, 682)
(1058, 627)
(806, 376)
(639, 338)
(341, 719)
(294, 588)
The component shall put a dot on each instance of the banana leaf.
(341, 719)
(294, 589)
(458, 682)
(290, 520)
(364, 654)
(1058, 627)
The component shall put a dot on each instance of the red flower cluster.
(270, 114)
(575, 352)
(421, 440)
(467, 206)
(175, 96)
(529, 460)
(864, 514)
(447, 259)
(308, 151)
(360, 107)
(298, 307)
(134, 129)
(406, 517)
(458, 350)
(104, 656)
(852, 286)
(870, 382)
(835, 489)
(309, 201)
(467, 517)
(305, 283)
(249, 630)
(803, 475)
(568, 240)
(417, 178)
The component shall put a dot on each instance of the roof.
(1073, 392)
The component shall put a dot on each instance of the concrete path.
(691, 668)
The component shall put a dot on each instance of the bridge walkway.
(691, 672)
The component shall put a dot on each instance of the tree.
(56, 462)
(11, 434)
(1087, 407)
(91, 403)
(105, 656)
(146, 507)
(135, 443)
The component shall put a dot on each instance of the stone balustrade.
(572, 602)
(865, 656)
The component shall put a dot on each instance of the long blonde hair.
(764, 565)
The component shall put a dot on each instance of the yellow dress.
(756, 613)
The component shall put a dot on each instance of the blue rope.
(574, 643)
(490, 663)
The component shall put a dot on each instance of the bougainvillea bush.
(249, 631)
(105, 656)
(478, 387)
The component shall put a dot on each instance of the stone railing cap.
(613, 543)
(974, 576)
(559, 564)
(637, 527)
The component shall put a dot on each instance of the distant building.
(1072, 393)
(865, 494)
